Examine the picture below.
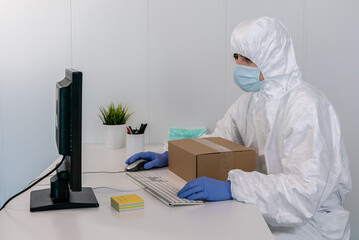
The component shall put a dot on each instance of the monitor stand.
(40, 200)
(59, 196)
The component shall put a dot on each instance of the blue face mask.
(247, 78)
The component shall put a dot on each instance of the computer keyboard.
(160, 188)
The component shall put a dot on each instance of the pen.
(131, 129)
(144, 128)
(141, 128)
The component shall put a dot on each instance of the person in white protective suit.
(302, 177)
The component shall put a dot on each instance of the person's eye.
(235, 56)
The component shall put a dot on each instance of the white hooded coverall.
(302, 176)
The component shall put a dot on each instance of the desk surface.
(213, 220)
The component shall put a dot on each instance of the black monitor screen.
(69, 124)
(66, 186)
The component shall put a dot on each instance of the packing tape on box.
(212, 145)
(224, 165)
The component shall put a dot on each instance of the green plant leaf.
(114, 115)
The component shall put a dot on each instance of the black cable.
(40, 179)
(116, 189)
(82, 173)
(103, 172)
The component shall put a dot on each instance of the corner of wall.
(2, 184)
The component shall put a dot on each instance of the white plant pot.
(114, 135)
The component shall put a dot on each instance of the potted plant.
(114, 119)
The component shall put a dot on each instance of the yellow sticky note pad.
(127, 199)
(127, 202)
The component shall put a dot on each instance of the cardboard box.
(210, 157)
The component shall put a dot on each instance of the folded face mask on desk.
(184, 133)
(247, 78)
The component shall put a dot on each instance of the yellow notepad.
(127, 202)
(127, 199)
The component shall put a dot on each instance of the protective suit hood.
(272, 52)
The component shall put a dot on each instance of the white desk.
(213, 220)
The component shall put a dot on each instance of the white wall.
(110, 46)
(35, 47)
(174, 55)
(2, 180)
(168, 60)
(186, 64)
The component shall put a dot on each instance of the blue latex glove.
(154, 159)
(206, 188)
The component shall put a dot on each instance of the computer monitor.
(66, 186)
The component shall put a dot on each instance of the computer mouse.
(136, 166)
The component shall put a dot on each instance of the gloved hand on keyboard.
(206, 188)
(154, 159)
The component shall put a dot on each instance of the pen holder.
(135, 143)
